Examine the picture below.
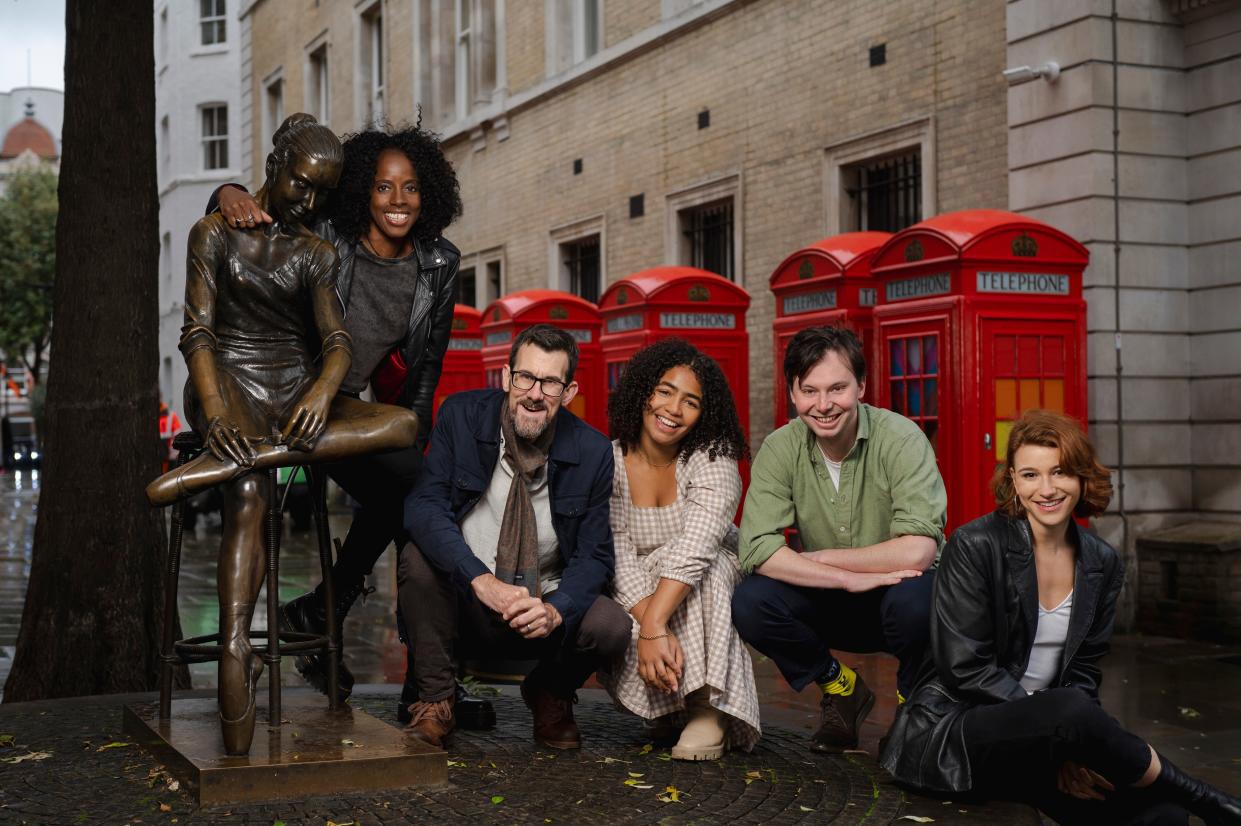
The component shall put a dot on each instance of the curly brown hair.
(1077, 457)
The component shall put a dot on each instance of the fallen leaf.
(342, 823)
(32, 755)
(456, 763)
(1189, 713)
(174, 786)
(113, 745)
(497, 799)
(356, 746)
(635, 774)
(805, 808)
(647, 749)
(612, 760)
(7, 740)
(671, 795)
(917, 819)
(165, 807)
(663, 756)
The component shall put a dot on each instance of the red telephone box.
(508, 315)
(980, 317)
(463, 361)
(699, 306)
(826, 283)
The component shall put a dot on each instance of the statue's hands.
(308, 419)
(226, 443)
(240, 209)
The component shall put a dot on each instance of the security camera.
(1049, 71)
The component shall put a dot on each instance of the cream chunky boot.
(703, 736)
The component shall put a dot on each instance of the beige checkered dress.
(693, 540)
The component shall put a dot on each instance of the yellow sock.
(843, 685)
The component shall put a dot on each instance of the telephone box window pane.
(1005, 399)
(932, 434)
(1005, 355)
(898, 357)
(1053, 394)
(1029, 394)
(1002, 429)
(615, 370)
(495, 378)
(915, 398)
(1027, 355)
(1053, 356)
(931, 395)
(930, 354)
(898, 396)
(915, 356)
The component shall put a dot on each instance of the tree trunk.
(93, 608)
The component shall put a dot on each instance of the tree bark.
(91, 622)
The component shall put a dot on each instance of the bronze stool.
(206, 648)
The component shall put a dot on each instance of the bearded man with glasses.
(511, 544)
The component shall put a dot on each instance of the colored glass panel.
(931, 429)
(898, 396)
(1028, 394)
(1005, 355)
(915, 398)
(898, 356)
(1027, 354)
(930, 354)
(1053, 394)
(915, 356)
(1005, 399)
(1053, 356)
(931, 396)
(1002, 429)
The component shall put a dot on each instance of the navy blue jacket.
(465, 446)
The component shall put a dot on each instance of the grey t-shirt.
(380, 301)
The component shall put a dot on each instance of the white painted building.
(197, 106)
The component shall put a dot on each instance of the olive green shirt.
(889, 486)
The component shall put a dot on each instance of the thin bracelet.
(656, 637)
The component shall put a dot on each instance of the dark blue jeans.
(798, 627)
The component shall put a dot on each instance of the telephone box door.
(1025, 364)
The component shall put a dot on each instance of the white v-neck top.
(1049, 637)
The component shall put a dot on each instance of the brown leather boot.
(841, 718)
(554, 725)
(431, 722)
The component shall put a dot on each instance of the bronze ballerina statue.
(261, 308)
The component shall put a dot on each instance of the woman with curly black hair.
(677, 445)
(398, 283)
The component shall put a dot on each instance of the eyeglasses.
(552, 388)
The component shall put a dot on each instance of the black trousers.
(378, 482)
(445, 623)
(1016, 750)
(798, 627)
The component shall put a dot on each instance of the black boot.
(1215, 807)
(308, 614)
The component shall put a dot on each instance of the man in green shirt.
(862, 489)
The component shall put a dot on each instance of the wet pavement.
(1184, 697)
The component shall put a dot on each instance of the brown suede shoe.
(554, 726)
(841, 718)
(431, 722)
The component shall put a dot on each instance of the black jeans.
(378, 482)
(798, 627)
(1016, 750)
(445, 623)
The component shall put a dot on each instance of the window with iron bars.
(581, 262)
(211, 19)
(887, 192)
(709, 230)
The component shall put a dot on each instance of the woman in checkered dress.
(677, 444)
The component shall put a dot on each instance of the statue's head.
(303, 167)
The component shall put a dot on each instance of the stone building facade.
(595, 138)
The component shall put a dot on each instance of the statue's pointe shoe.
(238, 731)
(187, 480)
(239, 672)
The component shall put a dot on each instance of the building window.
(371, 65)
(574, 32)
(494, 288)
(211, 21)
(317, 83)
(273, 106)
(467, 288)
(215, 136)
(163, 36)
(704, 227)
(165, 266)
(882, 180)
(577, 258)
(885, 194)
(480, 280)
(165, 145)
(457, 57)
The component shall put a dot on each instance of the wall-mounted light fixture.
(1049, 72)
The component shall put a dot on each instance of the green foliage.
(27, 264)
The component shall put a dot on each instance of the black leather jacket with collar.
(983, 621)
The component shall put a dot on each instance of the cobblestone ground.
(82, 770)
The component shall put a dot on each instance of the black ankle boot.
(1215, 807)
(308, 614)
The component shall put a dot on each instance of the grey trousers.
(445, 623)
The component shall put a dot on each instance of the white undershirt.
(1048, 651)
(833, 468)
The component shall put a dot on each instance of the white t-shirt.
(1048, 651)
(833, 468)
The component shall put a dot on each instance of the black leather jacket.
(983, 620)
(430, 318)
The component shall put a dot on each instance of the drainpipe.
(1119, 353)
